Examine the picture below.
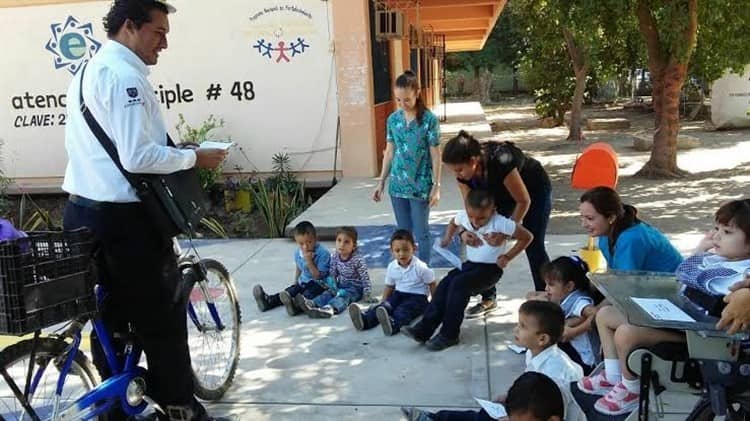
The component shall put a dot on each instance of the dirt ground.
(720, 167)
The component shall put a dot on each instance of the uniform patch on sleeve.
(134, 98)
(132, 92)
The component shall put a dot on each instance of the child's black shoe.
(356, 315)
(288, 302)
(414, 333)
(261, 298)
(321, 312)
(440, 342)
(385, 320)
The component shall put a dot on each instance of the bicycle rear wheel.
(48, 360)
(214, 319)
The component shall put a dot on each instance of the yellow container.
(593, 257)
(243, 200)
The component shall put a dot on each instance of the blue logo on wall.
(72, 44)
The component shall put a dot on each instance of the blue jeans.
(348, 293)
(414, 215)
(535, 221)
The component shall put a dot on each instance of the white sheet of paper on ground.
(517, 349)
(209, 144)
(494, 410)
(447, 254)
(662, 309)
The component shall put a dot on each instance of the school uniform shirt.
(710, 273)
(555, 364)
(485, 253)
(121, 99)
(413, 279)
(587, 343)
(641, 247)
(322, 259)
(411, 167)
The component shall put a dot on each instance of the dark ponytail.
(408, 80)
(460, 149)
(607, 202)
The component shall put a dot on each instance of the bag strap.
(105, 141)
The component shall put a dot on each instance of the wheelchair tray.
(619, 287)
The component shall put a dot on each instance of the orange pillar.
(351, 24)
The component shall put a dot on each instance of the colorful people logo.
(266, 49)
(72, 44)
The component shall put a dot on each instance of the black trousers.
(453, 294)
(403, 307)
(138, 269)
(480, 415)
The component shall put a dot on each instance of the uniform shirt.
(321, 258)
(413, 279)
(710, 273)
(585, 343)
(121, 99)
(411, 167)
(555, 364)
(352, 270)
(641, 247)
(485, 253)
(500, 158)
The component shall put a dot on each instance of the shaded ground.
(720, 167)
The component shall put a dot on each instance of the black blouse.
(499, 159)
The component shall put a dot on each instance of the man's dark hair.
(536, 394)
(403, 235)
(549, 317)
(305, 228)
(480, 199)
(138, 11)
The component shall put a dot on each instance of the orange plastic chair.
(597, 166)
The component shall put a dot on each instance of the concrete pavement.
(294, 368)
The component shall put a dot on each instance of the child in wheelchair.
(719, 261)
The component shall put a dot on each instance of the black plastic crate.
(45, 279)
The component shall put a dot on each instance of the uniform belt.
(93, 204)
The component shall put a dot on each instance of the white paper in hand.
(517, 349)
(447, 254)
(494, 410)
(209, 144)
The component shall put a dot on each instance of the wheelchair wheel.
(213, 331)
(48, 359)
(738, 409)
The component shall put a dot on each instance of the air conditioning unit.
(389, 24)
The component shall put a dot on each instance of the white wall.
(294, 108)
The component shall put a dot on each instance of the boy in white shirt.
(540, 326)
(408, 281)
(482, 269)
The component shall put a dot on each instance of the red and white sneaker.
(618, 401)
(595, 385)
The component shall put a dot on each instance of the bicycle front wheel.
(48, 360)
(214, 331)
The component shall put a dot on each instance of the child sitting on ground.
(568, 286)
(407, 283)
(704, 275)
(311, 260)
(482, 269)
(532, 397)
(348, 281)
(540, 326)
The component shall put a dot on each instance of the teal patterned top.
(411, 167)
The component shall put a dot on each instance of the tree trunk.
(663, 161)
(580, 68)
(668, 71)
(483, 86)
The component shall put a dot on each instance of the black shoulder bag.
(174, 201)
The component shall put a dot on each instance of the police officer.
(137, 264)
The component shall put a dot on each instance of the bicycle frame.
(104, 396)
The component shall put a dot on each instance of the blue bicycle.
(49, 378)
